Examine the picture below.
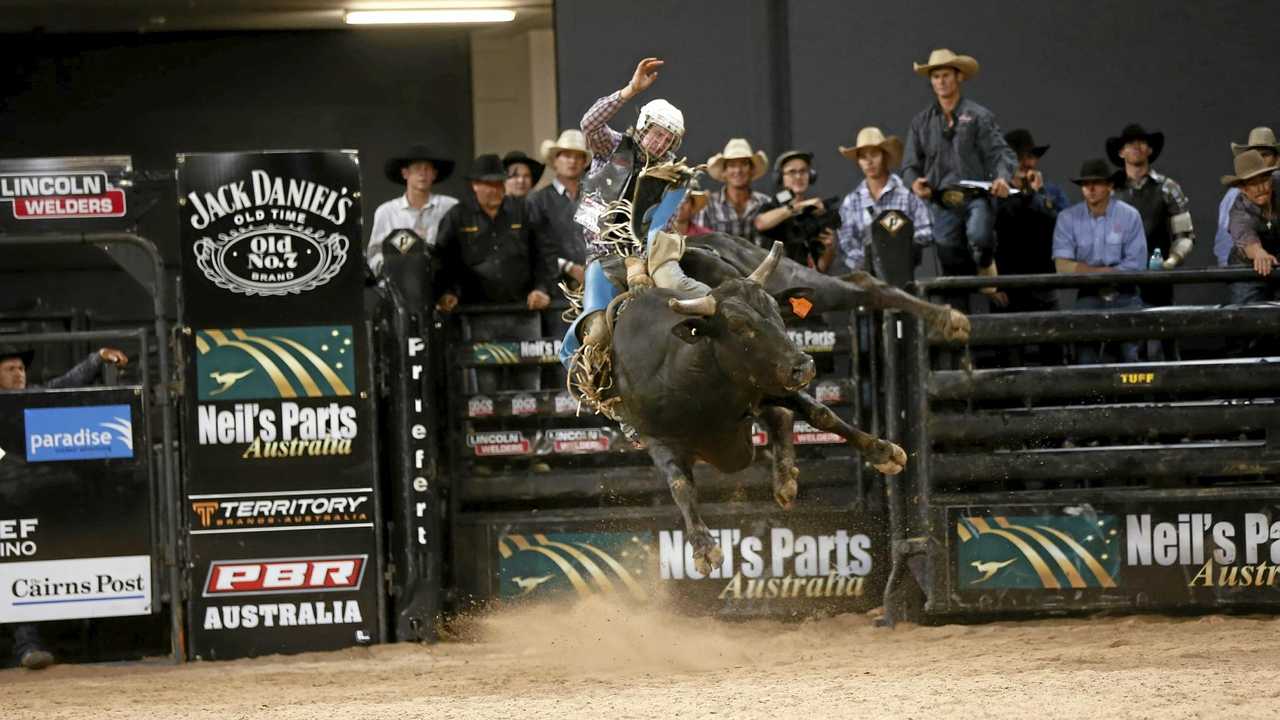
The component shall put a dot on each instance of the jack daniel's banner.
(271, 235)
(281, 504)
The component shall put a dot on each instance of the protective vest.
(1150, 202)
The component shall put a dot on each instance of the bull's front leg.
(883, 455)
(951, 325)
(679, 474)
(779, 422)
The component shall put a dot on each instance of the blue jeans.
(1250, 293)
(965, 237)
(1090, 353)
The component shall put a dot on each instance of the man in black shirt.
(793, 217)
(492, 253)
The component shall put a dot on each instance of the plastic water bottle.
(1157, 260)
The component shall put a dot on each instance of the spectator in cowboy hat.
(1100, 235)
(733, 208)
(880, 190)
(418, 209)
(493, 253)
(1254, 225)
(553, 204)
(1024, 226)
(523, 172)
(957, 139)
(28, 649)
(1262, 139)
(1165, 210)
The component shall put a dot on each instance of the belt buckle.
(953, 198)
(1109, 294)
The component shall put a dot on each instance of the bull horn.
(762, 273)
(704, 306)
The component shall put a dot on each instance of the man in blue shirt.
(1101, 234)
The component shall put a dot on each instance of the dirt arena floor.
(597, 661)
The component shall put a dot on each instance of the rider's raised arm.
(602, 140)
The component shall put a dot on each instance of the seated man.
(29, 651)
(492, 254)
(1255, 232)
(1100, 235)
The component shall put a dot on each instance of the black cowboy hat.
(415, 153)
(1095, 169)
(487, 168)
(9, 350)
(515, 157)
(1021, 142)
(1131, 132)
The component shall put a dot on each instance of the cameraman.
(804, 225)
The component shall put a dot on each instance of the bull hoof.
(887, 458)
(708, 560)
(951, 326)
(785, 492)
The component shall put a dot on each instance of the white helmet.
(664, 115)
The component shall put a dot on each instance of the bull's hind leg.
(779, 421)
(951, 325)
(883, 455)
(679, 474)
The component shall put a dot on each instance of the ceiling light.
(423, 17)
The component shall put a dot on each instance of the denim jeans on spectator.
(1249, 293)
(515, 326)
(962, 234)
(1091, 353)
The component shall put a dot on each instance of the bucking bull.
(692, 374)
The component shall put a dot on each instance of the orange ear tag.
(800, 306)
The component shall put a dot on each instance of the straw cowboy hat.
(738, 149)
(412, 154)
(869, 137)
(943, 57)
(569, 141)
(1249, 164)
(1260, 138)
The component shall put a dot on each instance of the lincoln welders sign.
(42, 194)
(281, 506)
(1191, 552)
(278, 226)
(75, 500)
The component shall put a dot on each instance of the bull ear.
(795, 302)
(691, 330)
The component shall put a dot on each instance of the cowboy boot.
(595, 330)
(637, 276)
(665, 251)
(989, 271)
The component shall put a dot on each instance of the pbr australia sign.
(270, 225)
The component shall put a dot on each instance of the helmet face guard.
(664, 115)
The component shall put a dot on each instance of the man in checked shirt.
(618, 159)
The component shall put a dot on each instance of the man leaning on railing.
(28, 650)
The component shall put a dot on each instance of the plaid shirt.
(858, 210)
(602, 140)
(721, 216)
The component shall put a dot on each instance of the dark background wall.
(810, 73)
(153, 96)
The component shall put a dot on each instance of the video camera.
(809, 224)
